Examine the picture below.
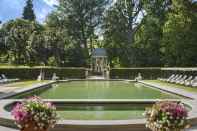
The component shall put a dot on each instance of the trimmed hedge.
(32, 73)
(149, 73)
(131, 73)
(29, 73)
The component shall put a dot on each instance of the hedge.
(131, 73)
(32, 73)
(29, 73)
(150, 73)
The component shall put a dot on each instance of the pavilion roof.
(99, 52)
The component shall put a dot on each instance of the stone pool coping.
(177, 91)
(29, 88)
(7, 120)
(135, 124)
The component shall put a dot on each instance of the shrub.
(149, 73)
(131, 73)
(25, 73)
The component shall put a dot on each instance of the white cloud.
(51, 2)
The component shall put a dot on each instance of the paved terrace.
(6, 90)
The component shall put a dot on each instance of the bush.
(149, 73)
(26, 73)
(131, 73)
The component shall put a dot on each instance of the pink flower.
(19, 112)
(36, 110)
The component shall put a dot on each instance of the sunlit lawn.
(187, 88)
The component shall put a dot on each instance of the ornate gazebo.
(99, 62)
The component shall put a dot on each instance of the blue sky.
(11, 9)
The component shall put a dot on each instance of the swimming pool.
(91, 105)
(100, 90)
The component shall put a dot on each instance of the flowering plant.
(167, 116)
(35, 111)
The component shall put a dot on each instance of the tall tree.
(180, 31)
(2, 41)
(133, 12)
(122, 21)
(81, 19)
(64, 50)
(149, 37)
(28, 12)
(18, 40)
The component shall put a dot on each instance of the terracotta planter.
(171, 130)
(31, 126)
(32, 129)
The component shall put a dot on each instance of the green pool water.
(101, 90)
(102, 112)
(98, 112)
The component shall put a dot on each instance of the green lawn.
(23, 84)
(187, 88)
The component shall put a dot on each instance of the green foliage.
(148, 73)
(135, 33)
(149, 36)
(54, 40)
(28, 12)
(18, 40)
(80, 19)
(75, 57)
(2, 43)
(179, 35)
(52, 61)
(132, 73)
(25, 73)
(120, 26)
(165, 36)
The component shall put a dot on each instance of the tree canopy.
(28, 12)
(136, 33)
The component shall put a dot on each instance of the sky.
(11, 9)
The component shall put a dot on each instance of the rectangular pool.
(100, 90)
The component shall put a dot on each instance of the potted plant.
(33, 114)
(167, 116)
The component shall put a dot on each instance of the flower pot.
(31, 127)
(171, 130)
(179, 130)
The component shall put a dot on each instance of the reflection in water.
(103, 90)
(102, 112)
